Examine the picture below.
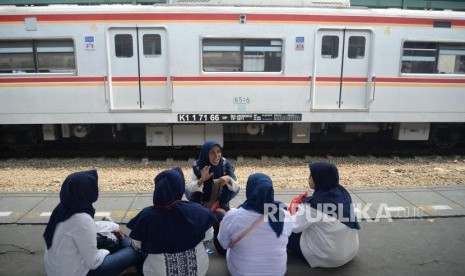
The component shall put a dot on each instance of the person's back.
(258, 253)
(325, 241)
(256, 234)
(70, 254)
(191, 262)
(325, 228)
(71, 233)
(171, 231)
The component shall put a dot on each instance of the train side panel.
(194, 65)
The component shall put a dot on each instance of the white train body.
(190, 73)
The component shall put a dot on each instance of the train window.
(330, 46)
(451, 58)
(16, 56)
(37, 56)
(242, 55)
(356, 47)
(262, 55)
(152, 45)
(55, 56)
(123, 46)
(433, 58)
(420, 56)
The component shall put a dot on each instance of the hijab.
(223, 168)
(259, 191)
(171, 225)
(328, 190)
(78, 192)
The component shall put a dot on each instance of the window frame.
(40, 49)
(243, 56)
(417, 62)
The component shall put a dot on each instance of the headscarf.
(170, 225)
(223, 168)
(328, 190)
(78, 192)
(259, 191)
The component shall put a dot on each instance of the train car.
(179, 73)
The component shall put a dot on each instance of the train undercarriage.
(23, 137)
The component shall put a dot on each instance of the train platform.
(405, 231)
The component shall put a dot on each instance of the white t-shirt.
(261, 252)
(74, 247)
(325, 241)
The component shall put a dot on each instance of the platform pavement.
(425, 236)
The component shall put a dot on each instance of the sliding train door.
(342, 69)
(137, 78)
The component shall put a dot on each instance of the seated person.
(172, 231)
(71, 233)
(255, 235)
(213, 182)
(319, 236)
(407, 67)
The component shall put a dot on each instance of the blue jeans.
(119, 261)
(293, 245)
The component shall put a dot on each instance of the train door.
(342, 68)
(138, 69)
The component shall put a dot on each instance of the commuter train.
(179, 73)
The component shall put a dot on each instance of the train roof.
(458, 5)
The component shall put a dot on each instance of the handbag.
(105, 241)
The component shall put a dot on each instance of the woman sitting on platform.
(172, 231)
(325, 229)
(255, 235)
(71, 234)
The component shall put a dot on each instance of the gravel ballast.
(136, 175)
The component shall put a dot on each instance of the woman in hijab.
(325, 229)
(255, 235)
(71, 235)
(213, 182)
(172, 231)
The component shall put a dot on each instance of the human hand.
(205, 173)
(224, 180)
(119, 234)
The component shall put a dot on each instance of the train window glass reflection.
(262, 55)
(37, 56)
(330, 46)
(421, 56)
(433, 58)
(451, 58)
(356, 47)
(55, 56)
(241, 55)
(152, 45)
(16, 56)
(123, 46)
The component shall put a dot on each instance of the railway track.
(234, 150)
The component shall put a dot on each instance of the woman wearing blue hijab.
(213, 182)
(71, 235)
(325, 229)
(255, 235)
(172, 231)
